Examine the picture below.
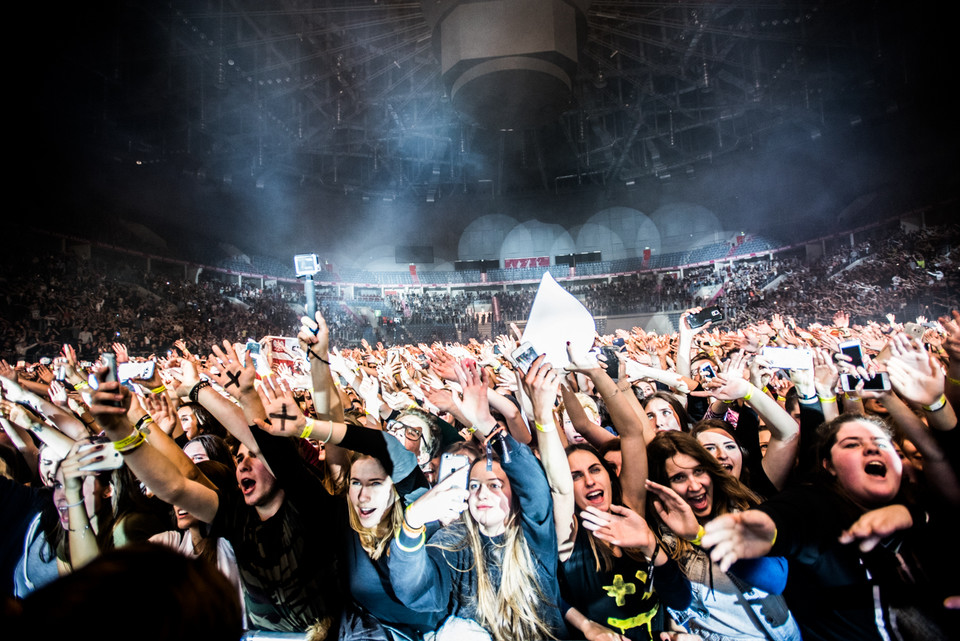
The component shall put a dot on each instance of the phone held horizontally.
(706, 315)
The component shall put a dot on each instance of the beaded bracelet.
(195, 392)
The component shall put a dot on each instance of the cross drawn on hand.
(234, 379)
(283, 416)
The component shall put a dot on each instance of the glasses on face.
(409, 432)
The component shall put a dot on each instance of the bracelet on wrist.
(307, 429)
(550, 427)
(937, 405)
(195, 390)
(699, 538)
(830, 399)
(423, 539)
(158, 390)
(130, 443)
(409, 529)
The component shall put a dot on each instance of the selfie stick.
(309, 290)
(306, 266)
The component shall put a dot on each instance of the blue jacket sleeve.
(420, 575)
(769, 573)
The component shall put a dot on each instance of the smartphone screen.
(854, 351)
(612, 362)
(524, 356)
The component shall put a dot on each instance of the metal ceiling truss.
(348, 93)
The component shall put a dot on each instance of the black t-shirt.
(289, 562)
(833, 589)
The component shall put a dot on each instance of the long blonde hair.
(376, 540)
(509, 611)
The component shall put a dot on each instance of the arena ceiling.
(356, 95)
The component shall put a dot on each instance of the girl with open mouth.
(688, 488)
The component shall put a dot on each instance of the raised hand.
(58, 393)
(725, 388)
(474, 405)
(743, 535)
(825, 373)
(542, 384)
(675, 513)
(314, 337)
(121, 351)
(162, 412)
(582, 363)
(444, 502)
(951, 325)
(622, 527)
(8, 372)
(236, 377)
(281, 407)
(44, 374)
(914, 373)
(443, 364)
(841, 319)
(875, 525)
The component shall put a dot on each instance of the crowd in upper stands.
(51, 298)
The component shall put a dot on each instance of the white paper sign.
(557, 317)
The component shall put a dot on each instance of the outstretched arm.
(542, 382)
(111, 404)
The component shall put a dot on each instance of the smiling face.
(661, 413)
(94, 493)
(723, 448)
(865, 463)
(591, 482)
(690, 479)
(490, 498)
(371, 491)
(258, 486)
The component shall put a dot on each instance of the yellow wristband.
(832, 399)
(774, 537)
(699, 537)
(953, 381)
(782, 399)
(749, 395)
(540, 428)
(938, 405)
(423, 539)
(307, 428)
(129, 443)
(158, 390)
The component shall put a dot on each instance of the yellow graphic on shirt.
(642, 577)
(620, 589)
(642, 619)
